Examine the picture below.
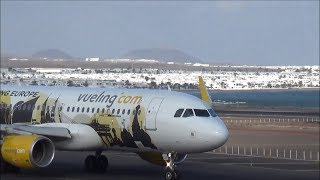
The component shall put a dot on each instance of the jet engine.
(27, 151)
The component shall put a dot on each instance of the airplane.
(160, 126)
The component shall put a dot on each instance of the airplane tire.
(90, 163)
(103, 163)
(170, 174)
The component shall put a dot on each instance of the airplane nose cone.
(220, 136)
(217, 135)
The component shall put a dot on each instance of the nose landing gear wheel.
(170, 174)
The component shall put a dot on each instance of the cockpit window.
(178, 113)
(188, 113)
(212, 113)
(201, 112)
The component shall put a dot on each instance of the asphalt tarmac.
(128, 166)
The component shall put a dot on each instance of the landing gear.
(97, 163)
(170, 172)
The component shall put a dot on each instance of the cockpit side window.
(201, 112)
(178, 113)
(188, 113)
(212, 113)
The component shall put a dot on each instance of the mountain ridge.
(52, 54)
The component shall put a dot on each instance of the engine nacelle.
(27, 151)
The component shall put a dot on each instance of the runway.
(128, 166)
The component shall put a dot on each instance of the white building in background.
(202, 65)
(93, 59)
(147, 60)
(48, 70)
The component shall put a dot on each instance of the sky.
(236, 32)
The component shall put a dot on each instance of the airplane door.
(152, 112)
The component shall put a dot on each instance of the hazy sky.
(238, 32)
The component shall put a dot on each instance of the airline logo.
(15, 150)
(20, 93)
(109, 99)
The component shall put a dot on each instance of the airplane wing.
(204, 92)
(54, 133)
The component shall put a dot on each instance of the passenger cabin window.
(188, 113)
(212, 113)
(201, 112)
(178, 113)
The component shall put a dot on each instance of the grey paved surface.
(69, 165)
(128, 166)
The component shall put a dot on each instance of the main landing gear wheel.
(98, 163)
(170, 172)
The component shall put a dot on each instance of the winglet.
(203, 92)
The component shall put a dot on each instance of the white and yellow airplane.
(161, 126)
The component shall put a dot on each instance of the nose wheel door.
(152, 112)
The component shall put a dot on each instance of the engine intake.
(27, 151)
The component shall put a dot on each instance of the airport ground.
(211, 165)
(128, 166)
